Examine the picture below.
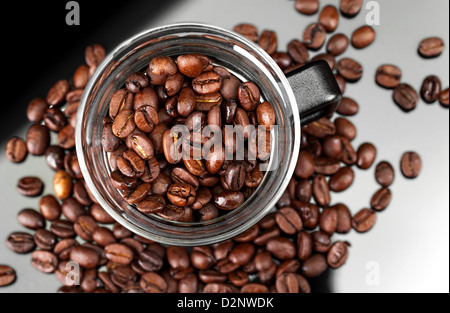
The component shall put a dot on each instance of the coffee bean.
(38, 139)
(7, 275)
(388, 76)
(341, 82)
(21, 243)
(431, 47)
(305, 165)
(153, 283)
(384, 174)
(54, 156)
(62, 248)
(57, 94)
(31, 219)
(289, 221)
(381, 199)
(86, 257)
(151, 204)
(307, 7)
(364, 220)
(119, 253)
(350, 69)
(304, 245)
(36, 109)
(139, 193)
(16, 150)
(241, 254)
(94, 55)
(247, 30)
(30, 186)
(406, 97)
(342, 179)
(314, 266)
(268, 41)
(281, 248)
(50, 208)
(44, 261)
(136, 82)
(443, 98)
(411, 164)
(363, 37)
(229, 200)
(347, 107)
(344, 219)
(367, 154)
(266, 115)
(337, 44)
(45, 240)
(314, 36)
(103, 236)
(321, 241)
(345, 128)
(431, 89)
(350, 8)
(181, 194)
(321, 190)
(329, 220)
(329, 58)
(206, 83)
(298, 52)
(309, 214)
(329, 18)
(62, 185)
(338, 254)
(254, 288)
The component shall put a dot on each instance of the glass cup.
(316, 94)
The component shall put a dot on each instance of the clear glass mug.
(309, 93)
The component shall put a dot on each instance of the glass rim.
(179, 28)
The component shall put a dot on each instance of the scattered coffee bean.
(384, 174)
(431, 89)
(431, 47)
(406, 97)
(363, 37)
(350, 8)
(411, 164)
(307, 7)
(7, 275)
(388, 76)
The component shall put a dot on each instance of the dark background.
(40, 48)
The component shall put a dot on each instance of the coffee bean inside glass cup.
(185, 133)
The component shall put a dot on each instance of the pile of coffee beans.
(146, 167)
(281, 253)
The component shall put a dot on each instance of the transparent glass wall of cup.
(316, 93)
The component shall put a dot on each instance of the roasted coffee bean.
(332, 147)
(329, 220)
(350, 69)
(151, 204)
(406, 97)
(304, 245)
(124, 124)
(44, 239)
(62, 229)
(62, 248)
(62, 185)
(384, 174)
(307, 7)
(364, 220)
(121, 100)
(350, 8)
(54, 156)
(347, 107)
(30, 186)
(249, 96)
(254, 288)
(443, 98)
(268, 41)
(50, 208)
(314, 266)
(327, 166)
(94, 55)
(20, 243)
(202, 258)
(100, 215)
(85, 257)
(36, 109)
(298, 52)
(136, 82)
(344, 219)
(206, 83)
(314, 36)
(238, 278)
(160, 68)
(161, 184)
(181, 194)
(119, 253)
(348, 155)
(266, 115)
(215, 159)
(57, 94)
(305, 165)
(66, 137)
(44, 261)
(321, 241)
(367, 154)
(303, 190)
(281, 248)
(289, 221)
(388, 76)
(241, 254)
(411, 164)
(229, 200)
(363, 37)
(381, 199)
(176, 213)
(16, 150)
(181, 175)
(54, 119)
(208, 212)
(249, 235)
(189, 65)
(337, 44)
(247, 30)
(195, 167)
(31, 219)
(103, 236)
(130, 164)
(338, 254)
(85, 227)
(287, 283)
(431, 89)
(38, 139)
(321, 190)
(309, 214)
(233, 176)
(122, 182)
(329, 18)
(178, 257)
(342, 179)
(139, 193)
(431, 47)
(320, 128)
(110, 142)
(282, 59)
(7, 275)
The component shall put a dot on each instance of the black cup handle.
(316, 90)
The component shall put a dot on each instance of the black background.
(39, 48)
